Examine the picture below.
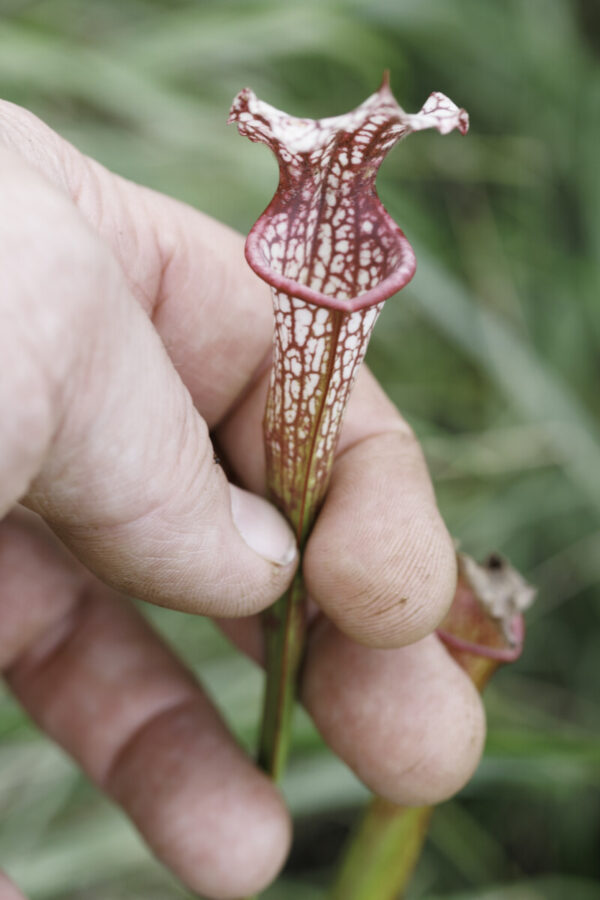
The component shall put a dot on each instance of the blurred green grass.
(492, 354)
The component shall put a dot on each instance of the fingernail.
(262, 527)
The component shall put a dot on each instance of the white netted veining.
(317, 354)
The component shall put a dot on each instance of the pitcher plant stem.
(284, 626)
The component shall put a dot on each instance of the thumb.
(99, 434)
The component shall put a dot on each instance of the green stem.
(284, 626)
(383, 853)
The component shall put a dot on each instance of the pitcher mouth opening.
(370, 287)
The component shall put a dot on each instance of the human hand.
(131, 326)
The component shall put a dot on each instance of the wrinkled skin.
(131, 326)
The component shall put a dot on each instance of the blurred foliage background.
(492, 354)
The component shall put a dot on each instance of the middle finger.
(380, 562)
(100, 682)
